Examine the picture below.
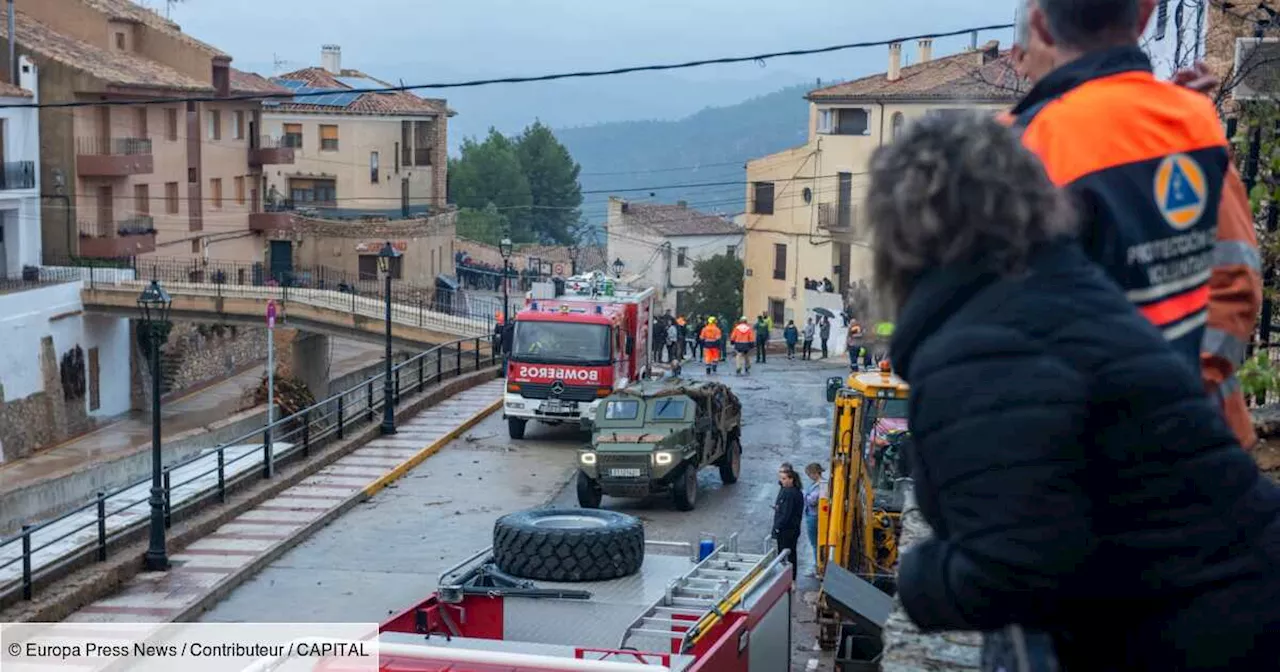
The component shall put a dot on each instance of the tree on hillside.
(553, 182)
(487, 225)
(489, 174)
(717, 287)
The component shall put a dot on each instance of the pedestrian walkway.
(260, 533)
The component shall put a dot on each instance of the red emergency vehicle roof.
(572, 309)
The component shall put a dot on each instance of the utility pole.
(13, 48)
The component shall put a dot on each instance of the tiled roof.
(113, 67)
(129, 11)
(249, 82)
(10, 91)
(677, 220)
(986, 74)
(399, 102)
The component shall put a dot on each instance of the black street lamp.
(504, 247)
(153, 330)
(385, 267)
(617, 267)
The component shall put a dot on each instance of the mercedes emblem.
(557, 388)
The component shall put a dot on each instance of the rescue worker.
(854, 343)
(1185, 251)
(710, 338)
(884, 332)
(741, 339)
(762, 337)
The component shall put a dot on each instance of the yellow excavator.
(860, 518)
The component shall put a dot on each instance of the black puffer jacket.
(1078, 479)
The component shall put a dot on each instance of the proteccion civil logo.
(1181, 191)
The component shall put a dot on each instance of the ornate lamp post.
(153, 330)
(385, 255)
(617, 268)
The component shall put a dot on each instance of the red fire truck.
(729, 611)
(569, 352)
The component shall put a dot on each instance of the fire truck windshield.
(561, 343)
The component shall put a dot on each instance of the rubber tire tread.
(515, 428)
(611, 551)
(725, 463)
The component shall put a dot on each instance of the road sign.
(271, 314)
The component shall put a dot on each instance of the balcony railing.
(834, 218)
(118, 239)
(113, 146)
(137, 225)
(18, 175)
(265, 150)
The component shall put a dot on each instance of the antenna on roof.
(168, 7)
(276, 62)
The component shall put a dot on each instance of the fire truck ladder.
(701, 597)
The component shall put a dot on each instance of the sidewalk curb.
(244, 574)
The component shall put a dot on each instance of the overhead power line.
(579, 74)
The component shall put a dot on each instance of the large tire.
(684, 488)
(568, 544)
(731, 464)
(589, 493)
(515, 427)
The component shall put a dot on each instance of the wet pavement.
(386, 554)
(193, 411)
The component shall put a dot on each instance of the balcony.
(268, 151)
(17, 175)
(114, 157)
(116, 240)
(415, 156)
(834, 219)
(274, 218)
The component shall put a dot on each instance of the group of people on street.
(1075, 285)
(796, 507)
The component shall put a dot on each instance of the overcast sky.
(443, 40)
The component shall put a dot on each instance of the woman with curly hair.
(1078, 480)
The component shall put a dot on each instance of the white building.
(19, 175)
(659, 245)
(1175, 38)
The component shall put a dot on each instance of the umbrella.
(824, 312)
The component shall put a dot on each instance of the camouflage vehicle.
(655, 435)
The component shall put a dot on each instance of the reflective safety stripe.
(1178, 307)
(1165, 289)
(1186, 326)
(1236, 253)
(1222, 344)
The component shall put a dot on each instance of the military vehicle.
(654, 436)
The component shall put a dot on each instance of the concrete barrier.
(60, 492)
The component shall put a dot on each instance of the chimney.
(926, 50)
(988, 52)
(895, 62)
(331, 58)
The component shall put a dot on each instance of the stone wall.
(906, 649)
(197, 354)
(44, 418)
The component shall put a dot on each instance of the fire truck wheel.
(684, 489)
(515, 427)
(568, 544)
(589, 492)
(731, 464)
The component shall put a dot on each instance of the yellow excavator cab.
(860, 518)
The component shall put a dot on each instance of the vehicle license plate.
(554, 407)
(625, 473)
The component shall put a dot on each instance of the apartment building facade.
(122, 178)
(804, 215)
(357, 155)
(659, 245)
(19, 176)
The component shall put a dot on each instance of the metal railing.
(18, 175)
(113, 146)
(46, 551)
(314, 285)
(268, 142)
(138, 225)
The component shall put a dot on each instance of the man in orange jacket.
(710, 338)
(1184, 248)
(742, 338)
